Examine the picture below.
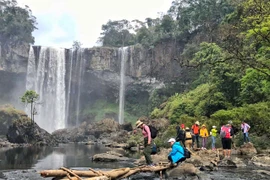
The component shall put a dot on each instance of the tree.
(76, 45)
(16, 23)
(117, 34)
(30, 97)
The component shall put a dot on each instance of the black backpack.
(187, 154)
(153, 131)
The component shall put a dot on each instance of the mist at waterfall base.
(58, 75)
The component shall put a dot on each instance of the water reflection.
(40, 158)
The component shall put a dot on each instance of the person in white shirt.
(245, 128)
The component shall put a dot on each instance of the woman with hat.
(177, 153)
(204, 134)
(147, 142)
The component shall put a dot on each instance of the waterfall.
(75, 73)
(46, 75)
(123, 51)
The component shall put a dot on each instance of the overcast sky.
(60, 22)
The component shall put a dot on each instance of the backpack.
(187, 154)
(154, 149)
(225, 132)
(153, 131)
(180, 134)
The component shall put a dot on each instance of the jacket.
(177, 152)
(204, 132)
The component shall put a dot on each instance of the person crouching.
(177, 153)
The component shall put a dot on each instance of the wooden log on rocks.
(91, 174)
(92, 178)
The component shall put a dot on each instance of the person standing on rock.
(204, 134)
(195, 129)
(177, 153)
(188, 142)
(226, 139)
(245, 128)
(181, 134)
(213, 134)
(147, 142)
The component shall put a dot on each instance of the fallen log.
(67, 174)
(92, 178)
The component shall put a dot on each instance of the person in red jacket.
(195, 129)
(226, 139)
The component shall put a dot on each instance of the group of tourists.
(186, 138)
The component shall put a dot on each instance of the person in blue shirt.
(177, 153)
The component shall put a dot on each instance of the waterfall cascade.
(124, 52)
(75, 73)
(46, 75)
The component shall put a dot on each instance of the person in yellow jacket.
(213, 134)
(204, 134)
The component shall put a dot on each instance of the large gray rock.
(24, 131)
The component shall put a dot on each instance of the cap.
(197, 122)
(214, 127)
(138, 123)
(203, 125)
(187, 128)
(182, 126)
(171, 140)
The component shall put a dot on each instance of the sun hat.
(171, 140)
(138, 123)
(203, 125)
(197, 122)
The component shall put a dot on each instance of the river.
(24, 163)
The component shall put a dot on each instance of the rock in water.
(25, 131)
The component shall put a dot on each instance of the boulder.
(262, 160)
(8, 114)
(26, 131)
(248, 149)
(109, 157)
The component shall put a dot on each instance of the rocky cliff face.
(87, 74)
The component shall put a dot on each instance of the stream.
(24, 163)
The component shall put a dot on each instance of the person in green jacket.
(213, 135)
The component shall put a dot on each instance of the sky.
(60, 22)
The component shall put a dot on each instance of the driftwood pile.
(91, 174)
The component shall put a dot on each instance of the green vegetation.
(16, 23)
(103, 109)
(226, 46)
(30, 97)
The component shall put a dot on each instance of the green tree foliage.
(256, 115)
(202, 101)
(30, 97)
(117, 34)
(246, 34)
(76, 45)
(16, 23)
(255, 87)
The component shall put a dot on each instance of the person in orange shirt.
(204, 134)
(195, 129)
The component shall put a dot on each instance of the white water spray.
(123, 51)
(46, 76)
